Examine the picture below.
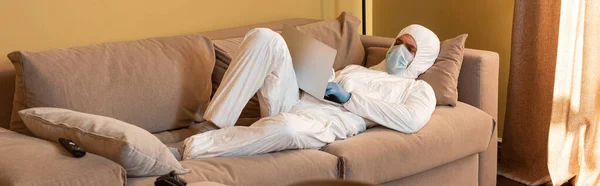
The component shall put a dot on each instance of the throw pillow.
(340, 34)
(225, 50)
(443, 75)
(134, 148)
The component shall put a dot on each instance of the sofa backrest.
(157, 84)
(7, 71)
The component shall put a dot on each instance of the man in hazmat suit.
(386, 94)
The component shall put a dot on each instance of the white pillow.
(134, 148)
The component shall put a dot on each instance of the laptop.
(312, 61)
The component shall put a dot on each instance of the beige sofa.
(457, 147)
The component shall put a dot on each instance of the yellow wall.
(488, 23)
(332, 8)
(35, 25)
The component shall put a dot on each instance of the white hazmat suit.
(293, 120)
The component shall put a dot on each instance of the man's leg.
(307, 129)
(275, 133)
(280, 91)
(262, 62)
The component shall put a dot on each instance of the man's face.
(409, 42)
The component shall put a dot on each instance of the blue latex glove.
(336, 93)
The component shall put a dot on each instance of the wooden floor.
(501, 181)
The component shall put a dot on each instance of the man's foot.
(205, 127)
(198, 129)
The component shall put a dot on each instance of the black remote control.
(170, 179)
(73, 148)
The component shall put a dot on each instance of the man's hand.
(336, 93)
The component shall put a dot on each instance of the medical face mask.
(397, 59)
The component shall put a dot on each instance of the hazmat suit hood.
(428, 48)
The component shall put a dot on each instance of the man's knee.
(285, 132)
(278, 124)
(261, 34)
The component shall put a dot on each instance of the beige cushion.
(451, 133)
(225, 49)
(340, 34)
(138, 151)
(443, 75)
(278, 168)
(157, 84)
(31, 161)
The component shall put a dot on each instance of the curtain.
(573, 143)
(553, 108)
(523, 156)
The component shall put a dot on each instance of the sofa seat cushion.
(32, 161)
(278, 168)
(379, 155)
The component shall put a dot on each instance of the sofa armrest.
(30, 161)
(478, 78)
